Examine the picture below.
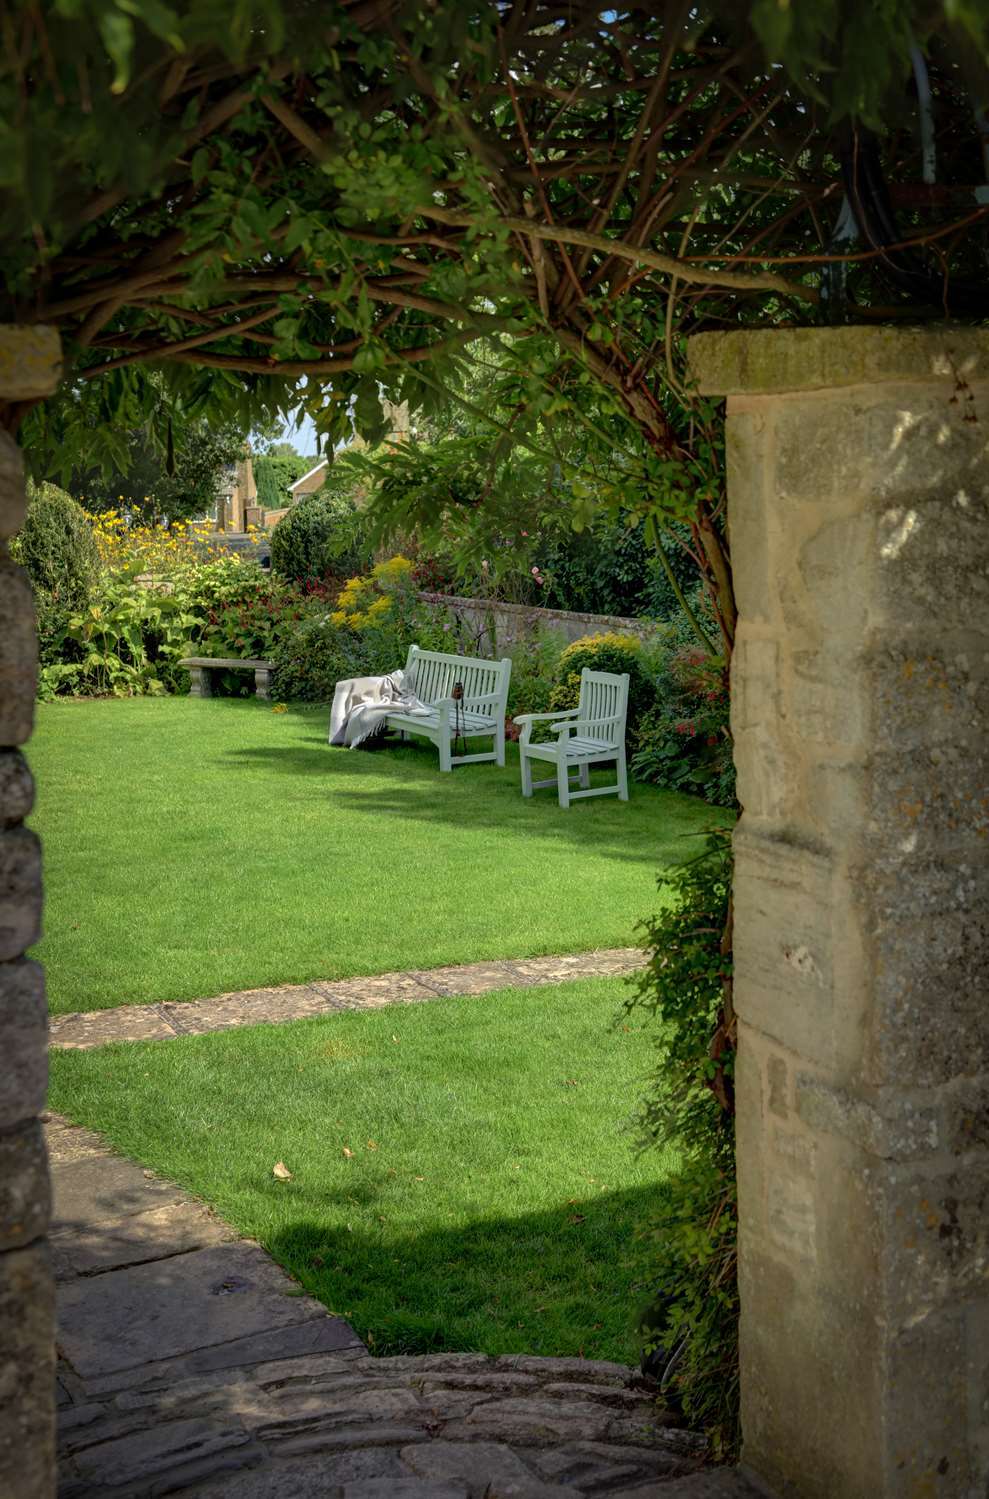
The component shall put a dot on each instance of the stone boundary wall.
(30, 368)
(503, 624)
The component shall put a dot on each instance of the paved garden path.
(157, 1022)
(189, 1363)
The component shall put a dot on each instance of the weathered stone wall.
(496, 624)
(858, 469)
(29, 367)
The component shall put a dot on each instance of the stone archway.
(858, 486)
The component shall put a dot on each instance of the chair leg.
(526, 765)
(500, 743)
(585, 776)
(622, 777)
(563, 781)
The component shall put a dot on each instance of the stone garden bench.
(201, 669)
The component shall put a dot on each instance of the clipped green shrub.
(324, 535)
(56, 546)
(690, 1323)
(57, 549)
(606, 652)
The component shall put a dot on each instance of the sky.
(302, 438)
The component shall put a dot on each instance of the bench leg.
(446, 759)
(563, 781)
(585, 776)
(262, 682)
(622, 776)
(201, 683)
(500, 742)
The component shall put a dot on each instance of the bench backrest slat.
(435, 674)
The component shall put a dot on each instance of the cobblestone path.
(297, 1001)
(189, 1363)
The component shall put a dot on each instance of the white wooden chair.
(587, 734)
(479, 713)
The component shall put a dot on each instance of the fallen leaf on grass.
(348, 1153)
(372, 1144)
(281, 1172)
(576, 1217)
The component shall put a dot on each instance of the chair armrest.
(589, 723)
(542, 717)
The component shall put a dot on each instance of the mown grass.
(197, 846)
(464, 1171)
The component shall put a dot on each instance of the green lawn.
(464, 1171)
(196, 846)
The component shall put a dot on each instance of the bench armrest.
(469, 705)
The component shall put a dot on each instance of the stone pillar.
(29, 367)
(858, 484)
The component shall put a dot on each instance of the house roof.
(323, 463)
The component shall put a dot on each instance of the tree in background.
(275, 470)
(157, 485)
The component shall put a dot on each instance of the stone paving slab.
(174, 1306)
(274, 1006)
(174, 1228)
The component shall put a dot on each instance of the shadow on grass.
(566, 1281)
(484, 797)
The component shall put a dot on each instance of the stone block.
(535, 1421)
(20, 892)
(141, 1455)
(964, 1121)
(30, 361)
(755, 520)
(892, 1126)
(24, 1028)
(769, 361)
(16, 788)
(929, 698)
(18, 655)
(25, 1195)
(473, 1464)
(783, 942)
(930, 561)
(929, 1022)
(936, 1226)
(27, 1374)
(13, 495)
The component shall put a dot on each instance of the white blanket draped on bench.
(361, 706)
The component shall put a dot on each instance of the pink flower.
(535, 572)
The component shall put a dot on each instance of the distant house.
(398, 417)
(237, 497)
(310, 482)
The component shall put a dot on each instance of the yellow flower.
(338, 617)
(379, 607)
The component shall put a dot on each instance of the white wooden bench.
(480, 712)
(201, 669)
